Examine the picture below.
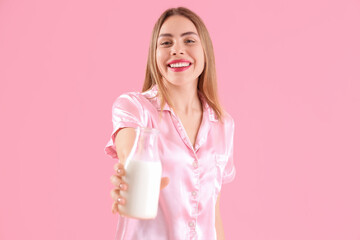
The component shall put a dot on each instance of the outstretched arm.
(218, 222)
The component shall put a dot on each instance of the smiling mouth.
(179, 65)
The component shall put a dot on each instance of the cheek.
(160, 58)
(200, 55)
(160, 62)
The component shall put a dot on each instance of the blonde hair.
(207, 83)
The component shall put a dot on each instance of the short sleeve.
(127, 111)
(230, 171)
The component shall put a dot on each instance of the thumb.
(164, 182)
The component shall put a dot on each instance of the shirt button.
(191, 224)
(194, 193)
(195, 165)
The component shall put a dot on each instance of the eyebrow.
(170, 35)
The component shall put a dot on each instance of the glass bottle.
(143, 176)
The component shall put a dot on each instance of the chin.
(179, 81)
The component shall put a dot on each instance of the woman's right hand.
(120, 185)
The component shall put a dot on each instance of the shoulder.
(127, 104)
(139, 101)
(229, 126)
(132, 98)
(128, 96)
(228, 120)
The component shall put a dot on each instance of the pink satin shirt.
(187, 205)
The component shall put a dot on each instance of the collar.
(151, 95)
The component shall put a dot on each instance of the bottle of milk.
(143, 176)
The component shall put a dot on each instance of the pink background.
(288, 73)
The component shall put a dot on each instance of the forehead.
(177, 25)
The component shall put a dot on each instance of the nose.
(177, 49)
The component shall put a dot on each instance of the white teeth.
(175, 65)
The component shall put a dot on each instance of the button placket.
(191, 223)
(194, 209)
(192, 235)
(193, 193)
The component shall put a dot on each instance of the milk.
(143, 179)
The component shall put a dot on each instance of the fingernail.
(120, 200)
(119, 171)
(122, 186)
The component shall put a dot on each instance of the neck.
(184, 98)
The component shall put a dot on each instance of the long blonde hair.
(207, 83)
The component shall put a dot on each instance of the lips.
(178, 61)
(179, 69)
(177, 65)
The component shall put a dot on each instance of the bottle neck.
(146, 144)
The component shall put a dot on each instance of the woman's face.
(179, 40)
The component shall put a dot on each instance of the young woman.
(179, 98)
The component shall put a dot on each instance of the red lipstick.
(180, 68)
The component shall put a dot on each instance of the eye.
(164, 43)
(192, 41)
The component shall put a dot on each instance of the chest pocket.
(220, 162)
